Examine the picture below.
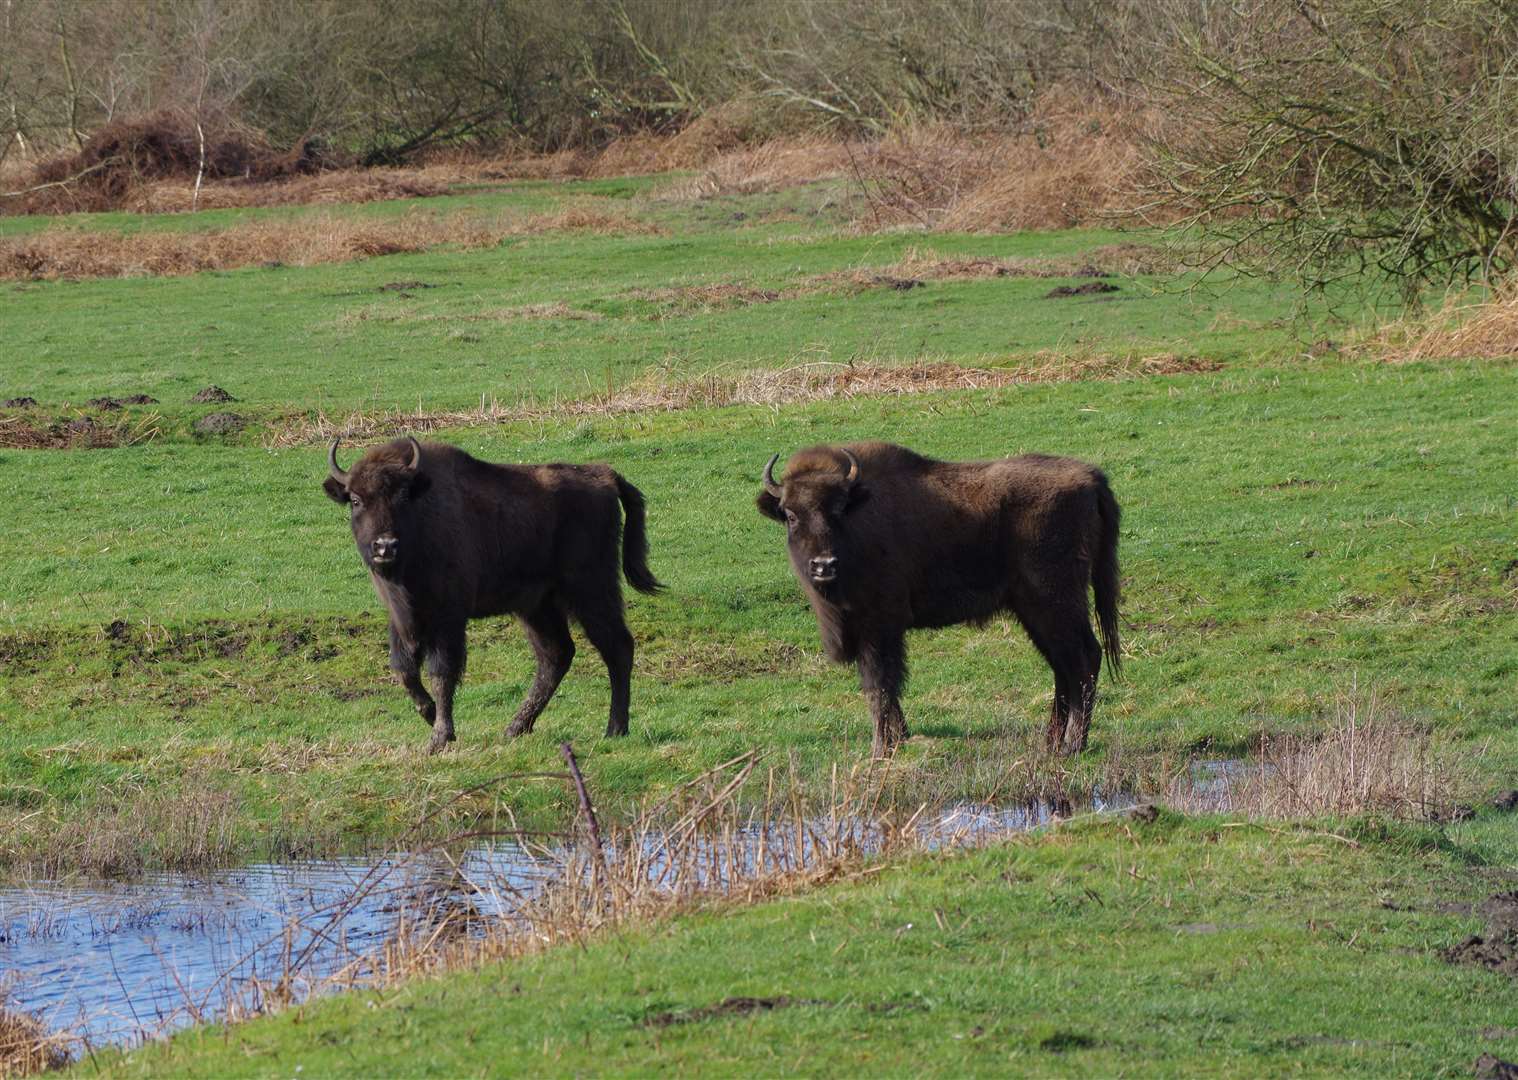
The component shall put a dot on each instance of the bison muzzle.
(884, 540)
(448, 538)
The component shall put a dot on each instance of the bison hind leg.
(600, 616)
(547, 632)
(1061, 631)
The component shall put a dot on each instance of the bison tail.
(635, 540)
(1104, 575)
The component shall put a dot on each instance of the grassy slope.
(1106, 949)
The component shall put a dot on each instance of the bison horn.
(338, 472)
(416, 454)
(769, 477)
(853, 476)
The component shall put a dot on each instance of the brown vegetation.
(1460, 330)
(771, 388)
(27, 1047)
(1072, 164)
(63, 252)
(1365, 763)
(82, 431)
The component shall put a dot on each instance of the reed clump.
(1366, 762)
(27, 1047)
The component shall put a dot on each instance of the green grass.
(1292, 534)
(1170, 949)
(294, 340)
(192, 664)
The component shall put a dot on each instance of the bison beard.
(884, 540)
(448, 538)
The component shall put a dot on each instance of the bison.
(448, 538)
(884, 540)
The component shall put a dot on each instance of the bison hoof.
(440, 740)
(517, 730)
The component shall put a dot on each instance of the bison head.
(382, 490)
(821, 488)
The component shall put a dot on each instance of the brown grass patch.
(819, 381)
(27, 1047)
(80, 432)
(63, 252)
(1075, 163)
(1366, 763)
(1460, 330)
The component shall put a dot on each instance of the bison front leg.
(406, 662)
(882, 673)
(445, 663)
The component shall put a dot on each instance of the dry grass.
(1366, 763)
(817, 381)
(63, 252)
(1076, 163)
(27, 1047)
(1460, 330)
(80, 432)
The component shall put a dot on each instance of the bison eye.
(355, 501)
(790, 517)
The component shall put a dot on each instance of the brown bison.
(884, 541)
(448, 538)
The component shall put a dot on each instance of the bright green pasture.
(1108, 949)
(1295, 537)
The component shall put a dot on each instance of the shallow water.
(116, 963)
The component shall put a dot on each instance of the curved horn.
(853, 476)
(338, 472)
(416, 454)
(769, 477)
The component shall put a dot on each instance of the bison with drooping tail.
(448, 538)
(884, 540)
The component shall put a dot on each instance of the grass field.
(192, 662)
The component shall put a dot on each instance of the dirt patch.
(107, 403)
(19, 403)
(211, 395)
(1497, 948)
(405, 286)
(219, 423)
(1091, 288)
(733, 1006)
(1507, 801)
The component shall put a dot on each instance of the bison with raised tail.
(884, 541)
(448, 538)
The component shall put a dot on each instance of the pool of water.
(120, 962)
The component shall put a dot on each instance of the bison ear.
(769, 506)
(336, 491)
(857, 494)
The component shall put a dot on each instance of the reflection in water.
(121, 962)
